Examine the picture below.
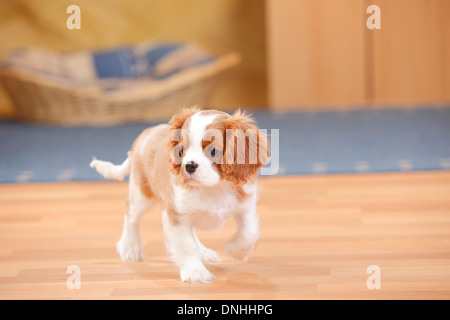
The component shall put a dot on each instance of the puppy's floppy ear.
(246, 149)
(176, 124)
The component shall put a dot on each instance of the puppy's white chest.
(206, 208)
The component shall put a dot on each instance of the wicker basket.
(48, 100)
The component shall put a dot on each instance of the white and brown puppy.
(202, 165)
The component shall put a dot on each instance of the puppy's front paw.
(196, 274)
(238, 249)
(130, 250)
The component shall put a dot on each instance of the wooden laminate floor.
(319, 236)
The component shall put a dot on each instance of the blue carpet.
(310, 143)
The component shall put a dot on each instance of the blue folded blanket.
(129, 62)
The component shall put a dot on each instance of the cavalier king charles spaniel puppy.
(202, 166)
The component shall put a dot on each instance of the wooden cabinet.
(322, 55)
(411, 52)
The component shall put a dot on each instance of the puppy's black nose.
(191, 166)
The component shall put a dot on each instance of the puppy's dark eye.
(181, 152)
(213, 154)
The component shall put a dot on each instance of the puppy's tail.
(110, 170)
